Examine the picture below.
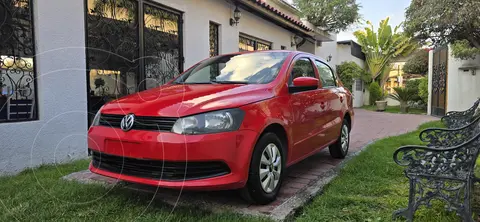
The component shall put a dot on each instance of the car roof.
(288, 51)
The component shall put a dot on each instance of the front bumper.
(231, 148)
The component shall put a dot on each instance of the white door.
(358, 93)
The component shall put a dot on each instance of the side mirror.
(303, 84)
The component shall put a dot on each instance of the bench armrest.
(456, 119)
(454, 162)
(439, 137)
(457, 113)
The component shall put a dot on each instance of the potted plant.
(382, 102)
(377, 96)
(403, 95)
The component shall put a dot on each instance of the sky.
(375, 11)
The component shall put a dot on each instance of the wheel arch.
(281, 132)
(348, 118)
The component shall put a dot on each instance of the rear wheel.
(340, 148)
(266, 170)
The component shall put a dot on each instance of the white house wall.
(342, 53)
(463, 88)
(327, 49)
(199, 13)
(61, 133)
(308, 47)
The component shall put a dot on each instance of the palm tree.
(403, 95)
(381, 47)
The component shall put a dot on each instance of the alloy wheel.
(344, 138)
(270, 168)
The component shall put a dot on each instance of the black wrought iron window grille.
(18, 90)
(214, 39)
(247, 43)
(132, 45)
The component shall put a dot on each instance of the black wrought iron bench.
(456, 119)
(443, 170)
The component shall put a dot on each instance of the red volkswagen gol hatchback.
(230, 122)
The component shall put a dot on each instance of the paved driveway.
(304, 178)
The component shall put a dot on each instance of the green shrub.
(412, 86)
(423, 89)
(349, 71)
(376, 93)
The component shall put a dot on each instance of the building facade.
(60, 61)
(453, 84)
(338, 52)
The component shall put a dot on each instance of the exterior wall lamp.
(237, 14)
(329, 58)
(472, 69)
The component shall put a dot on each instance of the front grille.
(141, 122)
(158, 169)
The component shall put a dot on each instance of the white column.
(430, 73)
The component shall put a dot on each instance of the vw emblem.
(127, 122)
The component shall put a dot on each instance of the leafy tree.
(331, 15)
(423, 89)
(417, 64)
(349, 71)
(381, 47)
(442, 22)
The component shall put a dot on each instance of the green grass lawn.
(40, 195)
(371, 186)
(396, 109)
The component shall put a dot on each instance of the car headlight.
(212, 122)
(96, 119)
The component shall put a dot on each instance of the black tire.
(253, 192)
(336, 150)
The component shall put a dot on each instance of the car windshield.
(250, 68)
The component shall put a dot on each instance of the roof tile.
(281, 14)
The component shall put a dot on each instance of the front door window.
(132, 45)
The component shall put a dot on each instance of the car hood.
(183, 100)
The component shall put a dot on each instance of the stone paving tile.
(368, 127)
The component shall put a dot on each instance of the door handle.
(322, 105)
(341, 99)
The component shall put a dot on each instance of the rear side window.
(326, 74)
(303, 68)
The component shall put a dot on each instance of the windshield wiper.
(229, 82)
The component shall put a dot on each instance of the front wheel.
(340, 148)
(266, 170)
